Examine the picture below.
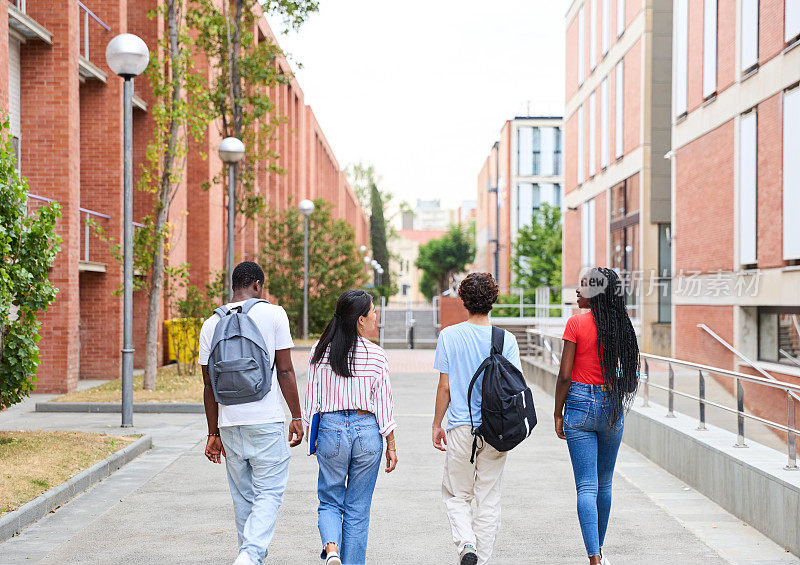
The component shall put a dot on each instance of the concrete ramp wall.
(751, 483)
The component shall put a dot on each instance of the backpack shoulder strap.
(498, 337)
(222, 311)
(250, 302)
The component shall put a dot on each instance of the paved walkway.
(172, 506)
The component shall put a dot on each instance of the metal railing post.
(702, 395)
(791, 437)
(740, 414)
(521, 303)
(671, 393)
(646, 402)
(86, 34)
(86, 238)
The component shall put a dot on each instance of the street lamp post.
(231, 151)
(306, 208)
(127, 55)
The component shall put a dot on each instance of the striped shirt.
(369, 388)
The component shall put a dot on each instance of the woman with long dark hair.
(348, 385)
(597, 384)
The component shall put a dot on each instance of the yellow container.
(182, 339)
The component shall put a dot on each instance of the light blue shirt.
(459, 352)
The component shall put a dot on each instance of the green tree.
(443, 258)
(334, 264)
(537, 251)
(28, 247)
(377, 236)
(244, 70)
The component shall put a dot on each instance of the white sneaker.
(333, 558)
(244, 559)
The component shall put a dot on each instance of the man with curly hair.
(460, 350)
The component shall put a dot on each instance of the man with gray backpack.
(245, 355)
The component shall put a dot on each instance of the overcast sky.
(421, 89)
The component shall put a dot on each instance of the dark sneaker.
(468, 556)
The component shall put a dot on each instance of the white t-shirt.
(274, 326)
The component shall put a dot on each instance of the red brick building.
(617, 131)
(527, 165)
(65, 109)
(736, 182)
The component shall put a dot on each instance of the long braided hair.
(616, 341)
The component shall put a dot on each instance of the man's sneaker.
(468, 556)
(243, 559)
(333, 558)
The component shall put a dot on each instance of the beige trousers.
(464, 483)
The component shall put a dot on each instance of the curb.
(14, 522)
(116, 407)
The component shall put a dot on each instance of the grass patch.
(170, 387)
(33, 462)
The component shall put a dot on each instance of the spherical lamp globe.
(127, 55)
(231, 150)
(306, 207)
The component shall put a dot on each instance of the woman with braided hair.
(596, 385)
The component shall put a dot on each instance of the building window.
(619, 109)
(709, 48)
(525, 151)
(580, 144)
(681, 55)
(593, 36)
(587, 234)
(557, 196)
(592, 133)
(536, 151)
(749, 38)
(604, 124)
(791, 174)
(792, 20)
(547, 141)
(664, 279)
(528, 201)
(581, 45)
(606, 29)
(747, 188)
(624, 234)
(620, 17)
(557, 153)
(778, 329)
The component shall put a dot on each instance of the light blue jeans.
(257, 460)
(593, 446)
(349, 456)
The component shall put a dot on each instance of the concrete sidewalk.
(173, 506)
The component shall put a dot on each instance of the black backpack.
(507, 411)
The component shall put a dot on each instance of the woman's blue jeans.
(349, 456)
(593, 446)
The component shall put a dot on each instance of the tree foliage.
(28, 247)
(537, 251)
(243, 70)
(380, 249)
(334, 263)
(443, 258)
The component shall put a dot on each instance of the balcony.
(24, 25)
(90, 24)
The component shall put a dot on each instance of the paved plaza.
(172, 506)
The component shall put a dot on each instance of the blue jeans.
(593, 446)
(257, 460)
(349, 456)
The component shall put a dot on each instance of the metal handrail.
(87, 13)
(790, 389)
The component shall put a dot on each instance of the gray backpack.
(239, 365)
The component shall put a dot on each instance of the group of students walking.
(348, 413)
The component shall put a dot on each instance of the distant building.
(467, 212)
(429, 215)
(404, 250)
(528, 159)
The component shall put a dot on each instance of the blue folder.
(313, 432)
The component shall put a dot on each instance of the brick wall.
(571, 61)
(694, 344)
(451, 311)
(570, 149)
(601, 228)
(571, 257)
(694, 82)
(770, 29)
(726, 44)
(703, 232)
(770, 183)
(632, 122)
